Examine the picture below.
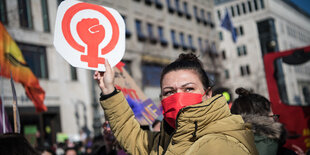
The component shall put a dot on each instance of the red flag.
(12, 60)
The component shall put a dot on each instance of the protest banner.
(145, 110)
(87, 34)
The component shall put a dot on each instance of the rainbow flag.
(12, 60)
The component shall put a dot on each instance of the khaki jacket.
(206, 128)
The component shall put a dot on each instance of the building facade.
(263, 26)
(157, 31)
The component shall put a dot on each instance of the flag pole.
(15, 108)
(2, 106)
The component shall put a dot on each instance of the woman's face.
(186, 81)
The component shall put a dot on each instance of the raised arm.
(125, 127)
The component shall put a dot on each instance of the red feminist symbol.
(90, 32)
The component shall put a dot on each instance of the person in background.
(256, 110)
(71, 151)
(194, 121)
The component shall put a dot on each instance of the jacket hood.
(264, 126)
(211, 117)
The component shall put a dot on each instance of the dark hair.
(70, 148)
(14, 144)
(188, 62)
(250, 103)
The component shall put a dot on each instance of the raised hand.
(105, 79)
(91, 33)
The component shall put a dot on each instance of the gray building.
(263, 26)
(157, 31)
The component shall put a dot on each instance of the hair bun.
(242, 92)
(187, 57)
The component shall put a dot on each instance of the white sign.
(87, 34)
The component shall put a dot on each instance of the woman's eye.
(189, 89)
(168, 93)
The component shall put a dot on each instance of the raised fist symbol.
(92, 34)
(90, 31)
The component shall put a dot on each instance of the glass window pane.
(232, 11)
(238, 10)
(255, 5)
(262, 4)
(243, 8)
(250, 6)
(25, 16)
(151, 74)
(219, 14)
(3, 12)
(46, 24)
(73, 73)
(35, 57)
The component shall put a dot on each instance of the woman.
(255, 109)
(194, 122)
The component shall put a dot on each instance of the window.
(162, 39)
(219, 14)
(46, 23)
(262, 4)
(241, 30)
(207, 46)
(255, 5)
(203, 18)
(35, 57)
(243, 8)
(241, 50)
(173, 38)
(200, 45)
(242, 71)
(191, 44)
(220, 36)
(141, 36)
(238, 10)
(170, 8)
(226, 74)
(250, 6)
(73, 73)
(128, 33)
(213, 48)
(25, 16)
(151, 34)
(245, 70)
(148, 2)
(196, 14)
(244, 50)
(3, 12)
(232, 11)
(151, 74)
(187, 14)
(224, 55)
(158, 4)
(182, 40)
(178, 8)
(248, 71)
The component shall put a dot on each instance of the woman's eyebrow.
(168, 88)
(186, 84)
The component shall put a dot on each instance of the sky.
(303, 4)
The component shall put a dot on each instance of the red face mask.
(174, 103)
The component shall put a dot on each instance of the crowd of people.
(196, 121)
